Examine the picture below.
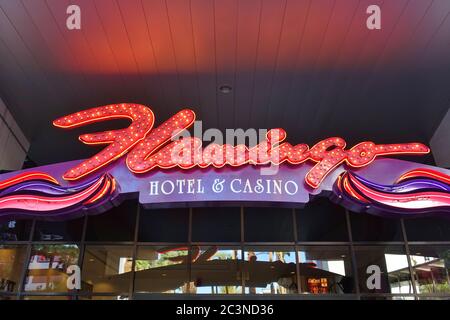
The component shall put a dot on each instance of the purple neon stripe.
(73, 210)
(411, 185)
(375, 207)
(47, 188)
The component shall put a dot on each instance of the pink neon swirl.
(406, 201)
(40, 203)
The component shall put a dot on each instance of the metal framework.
(350, 245)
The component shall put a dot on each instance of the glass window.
(47, 268)
(431, 265)
(92, 297)
(270, 270)
(12, 259)
(59, 230)
(107, 269)
(216, 270)
(311, 226)
(367, 227)
(395, 297)
(383, 269)
(15, 230)
(216, 224)
(163, 225)
(268, 225)
(162, 269)
(325, 270)
(116, 224)
(47, 297)
(428, 229)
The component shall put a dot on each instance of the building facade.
(357, 207)
(155, 223)
(320, 251)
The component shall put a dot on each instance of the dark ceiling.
(311, 67)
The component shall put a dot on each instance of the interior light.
(225, 89)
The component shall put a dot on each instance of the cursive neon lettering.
(153, 148)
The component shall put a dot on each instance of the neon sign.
(126, 168)
(151, 148)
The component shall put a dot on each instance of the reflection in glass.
(325, 270)
(268, 224)
(47, 267)
(390, 263)
(428, 229)
(216, 270)
(163, 225)
(216, 224)
(396, 297)
(367, 227)
(117, 224)
(270, 270)
(161, 269)
(311, 226)
(46, 297)
(12, 259)
(107, 269)
(58, 230)
(92, 297)
(15, 230)
(431, 266)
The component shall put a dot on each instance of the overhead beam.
(440, 143)
(13, 144)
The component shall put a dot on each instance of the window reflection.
(367, 227)
(270, 270)
(216, 270)
(311, 226)
(47, 267)
(325, 270)
(161, 269)
(396, 297)
(59, 230)
(392, 263)
(15, 230)
(431, 266)
(268, 224)
(163, 225)
(107, 268)
(216, 224)
(49, 297)
(428, 229)
(12, 259)
(92, 297)
(117, 224)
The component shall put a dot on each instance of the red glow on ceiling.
(202, 36)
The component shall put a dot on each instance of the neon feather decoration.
(38, 194)
(416, 191)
